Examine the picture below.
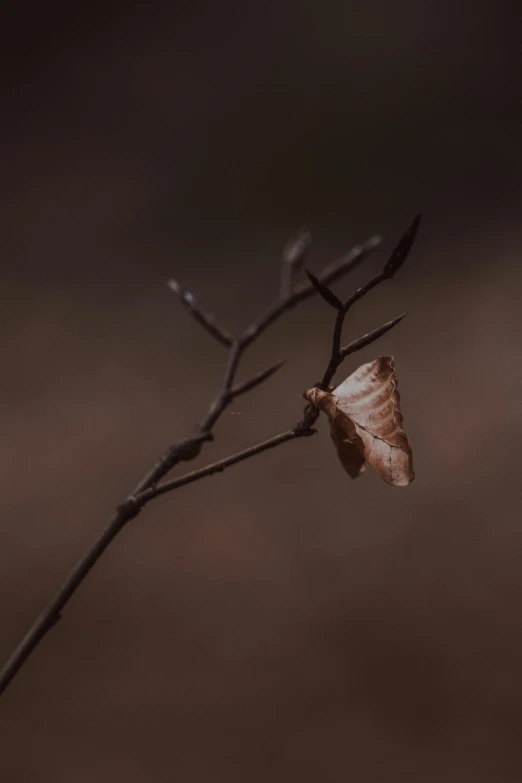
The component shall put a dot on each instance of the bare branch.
(300, 293)
(207, 320)
(305, 289)
(396, 260)
(182, 449)
(338, 269)
(370, 337)
(294, 255)
(323, 290)
(255, 380)
(220, 465)
(402, 251)
(394, 263)
(188, 448)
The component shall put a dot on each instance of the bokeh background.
(278, 622)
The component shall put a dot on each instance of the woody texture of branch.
(292, 293)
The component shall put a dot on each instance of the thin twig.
(220, 465)
(207, 320)
(255, 380)
(338, 354)
(370, 337)
(305, 289)
(294, 255)
(149, 488)
(190, 447)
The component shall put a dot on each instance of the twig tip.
(403, 248)
(374, 241)
(322, 289)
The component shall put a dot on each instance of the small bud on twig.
(370, 337)
(327, 294)
(207, 320)
(294, 255)
(402, 250)
(296, 250)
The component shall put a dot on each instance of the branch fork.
(152, 485)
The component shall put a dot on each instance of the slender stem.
(336, 357)
(306, 289)
(255, 380)
(52, 612)
(205, 319)
(293, 258)
(221, 465)
(149, 488)
(370, 337)
(189, 448)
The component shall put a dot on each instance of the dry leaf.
(366, 422)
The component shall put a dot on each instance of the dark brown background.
(278, 622)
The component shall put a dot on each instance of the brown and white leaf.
(366, 422)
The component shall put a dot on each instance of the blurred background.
(279, 622)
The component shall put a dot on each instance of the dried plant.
(366, 422)
(355, 409)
